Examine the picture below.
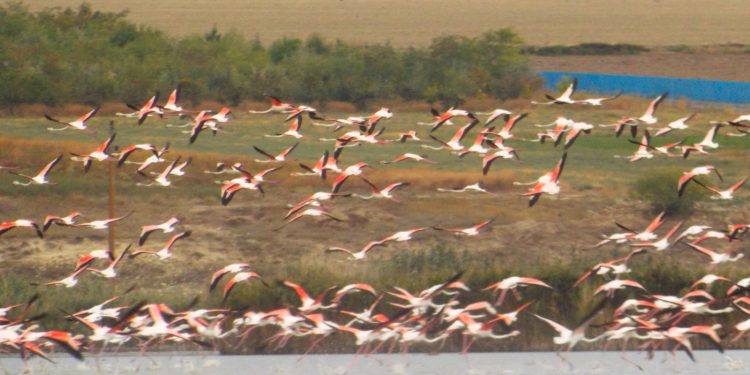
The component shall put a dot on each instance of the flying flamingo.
(238, 278)
(470, 231)
(724, 194)
(360, 255)
(277, 106)
(77, 124)
(511, 283)
(68, 220)
(8, 225)
(166, 251)
(271, 158)
(564, 98)
(41, 177)
(100, 154)
(690, 176)
(716, 257)
(550, 186)
(165, 227)
(386, 192)
(449, 114)
(409, 156)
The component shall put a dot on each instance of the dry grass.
(404, 23)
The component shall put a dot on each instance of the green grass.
(550, 241)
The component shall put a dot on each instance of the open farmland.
(551, 240)
(405, 23)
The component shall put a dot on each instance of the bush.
(587, 49)
(111, 59)
(659, 189)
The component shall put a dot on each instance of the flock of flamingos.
(432, 315)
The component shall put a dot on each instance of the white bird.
(41, 177)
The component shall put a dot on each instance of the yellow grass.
(416, 22)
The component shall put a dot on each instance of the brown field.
(721, 65)
(416, 22)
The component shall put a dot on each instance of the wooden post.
(111, 203)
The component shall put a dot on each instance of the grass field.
(404, 23)
(551, 240)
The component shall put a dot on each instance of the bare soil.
(702, 64)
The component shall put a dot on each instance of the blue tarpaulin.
(685, 88)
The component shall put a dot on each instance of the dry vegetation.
(404, 23)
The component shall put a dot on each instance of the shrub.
(659, 189)
(111, 59)
(586, 49)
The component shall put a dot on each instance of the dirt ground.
(660, 62)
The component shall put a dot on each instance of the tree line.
(57, 56)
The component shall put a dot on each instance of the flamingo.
(708, 139)
(88, 259)
(511, 283)
(618, 284)
(509, 125)
(41, 177)
(724, 194)
(568, 336)
(352, 170)
(385, 192)
(165, 227)
(319, 169)
(232, 268)
(102, 224)
(596, 102)
(100, 154)
(238, 278)
(308, 304)
(454, 144)
(162, 178)
(171, 104)
(20, 223)
(127, 151)
(471, 187)
(495, 114)
(663, 243)
(564, 98)
(222, 116)
(679, 124)
(310, 212)
(405, 235)
(449, 114)
(110, 271)
(70, 280)
(148, 108)
(77, 124)
(277, 106)
(716, 257)
(617, 266)
(648, 116)
(411, 134)
(359, 255)
(68, 220)
(487, 161)
(166, 251)
(550, 186)
(271, 158)
(690, 176)
(293, 131)
(409, 156)
(470, 231)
